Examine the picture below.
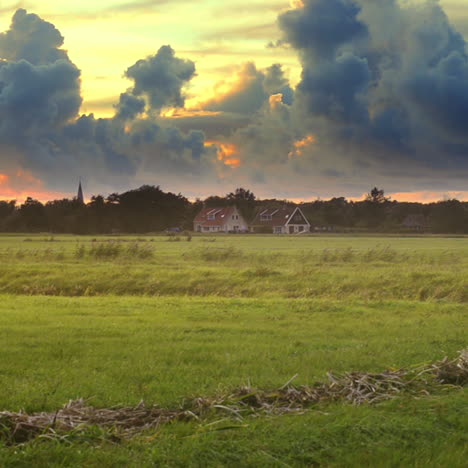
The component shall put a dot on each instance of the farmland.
(120, 319)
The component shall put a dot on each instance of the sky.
(291, 99)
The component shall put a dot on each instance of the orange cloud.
(174, 113)
(23, 184)
(275, 100)
(3, 179)
(299, 146)
(297, 3)
(227, 153)
(423, 196)
(429, 196)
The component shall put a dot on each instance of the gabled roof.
(275, 216)
(415, 220)
(221, 215)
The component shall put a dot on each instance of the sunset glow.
(227, 153)
(308, 93)
(300, 145)
(23, 184)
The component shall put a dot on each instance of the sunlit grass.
(120, 319)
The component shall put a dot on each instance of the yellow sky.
(105, 37)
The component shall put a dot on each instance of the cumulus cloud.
(33, 39)
(161, 78)
(320, 27)
(43, 132)
(383, 96)
(250, 89)
(35, 98)
(385, 82)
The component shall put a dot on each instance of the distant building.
(80, 196)
(227, 219)
(285, 220)
(416, 222)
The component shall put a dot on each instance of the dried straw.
(354, 387)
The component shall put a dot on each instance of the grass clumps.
(114, 250)
(220, 254)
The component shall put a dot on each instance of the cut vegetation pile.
(355, 387)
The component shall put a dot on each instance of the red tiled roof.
(279, 216)
(221, 215)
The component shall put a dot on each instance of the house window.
(277, 229)
(211, 217)
(266, 218)
(206, 228)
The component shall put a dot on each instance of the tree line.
(150, 209)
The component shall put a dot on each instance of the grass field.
(119, 319)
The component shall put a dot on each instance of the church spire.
(80, 196)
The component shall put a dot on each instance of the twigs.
(355, 387)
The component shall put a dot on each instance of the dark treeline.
(149, 209)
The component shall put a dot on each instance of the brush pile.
(355, 387)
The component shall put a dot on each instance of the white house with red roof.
(227, 219)
(283, 220)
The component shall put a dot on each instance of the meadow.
(165, 319)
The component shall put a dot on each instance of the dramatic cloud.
(383, 82)
(161, 78)
(33, 39)
(382, 100)
(250, 90)
(41, 130)
(35, 98)
(320, 27)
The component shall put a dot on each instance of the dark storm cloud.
(40, 101)
(321, 26)
(386, 81)
(213, 125)
(35, 98)
(383, 95)
(336, 89)
(129, 106)
(161, 78)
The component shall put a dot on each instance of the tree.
(244, 200)
(377, 196)
(449, 216)
(32, 215)
(7, 208)
(373, 208)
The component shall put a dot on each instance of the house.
(415, 222)
(285, 220)
(227, 219)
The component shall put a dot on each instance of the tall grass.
(197, 269)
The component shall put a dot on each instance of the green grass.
(120, 350)
(202, 317)
(424, 433)
(238, 266)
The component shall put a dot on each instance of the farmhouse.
(226, 219)
(285, 220)
(416, 222)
